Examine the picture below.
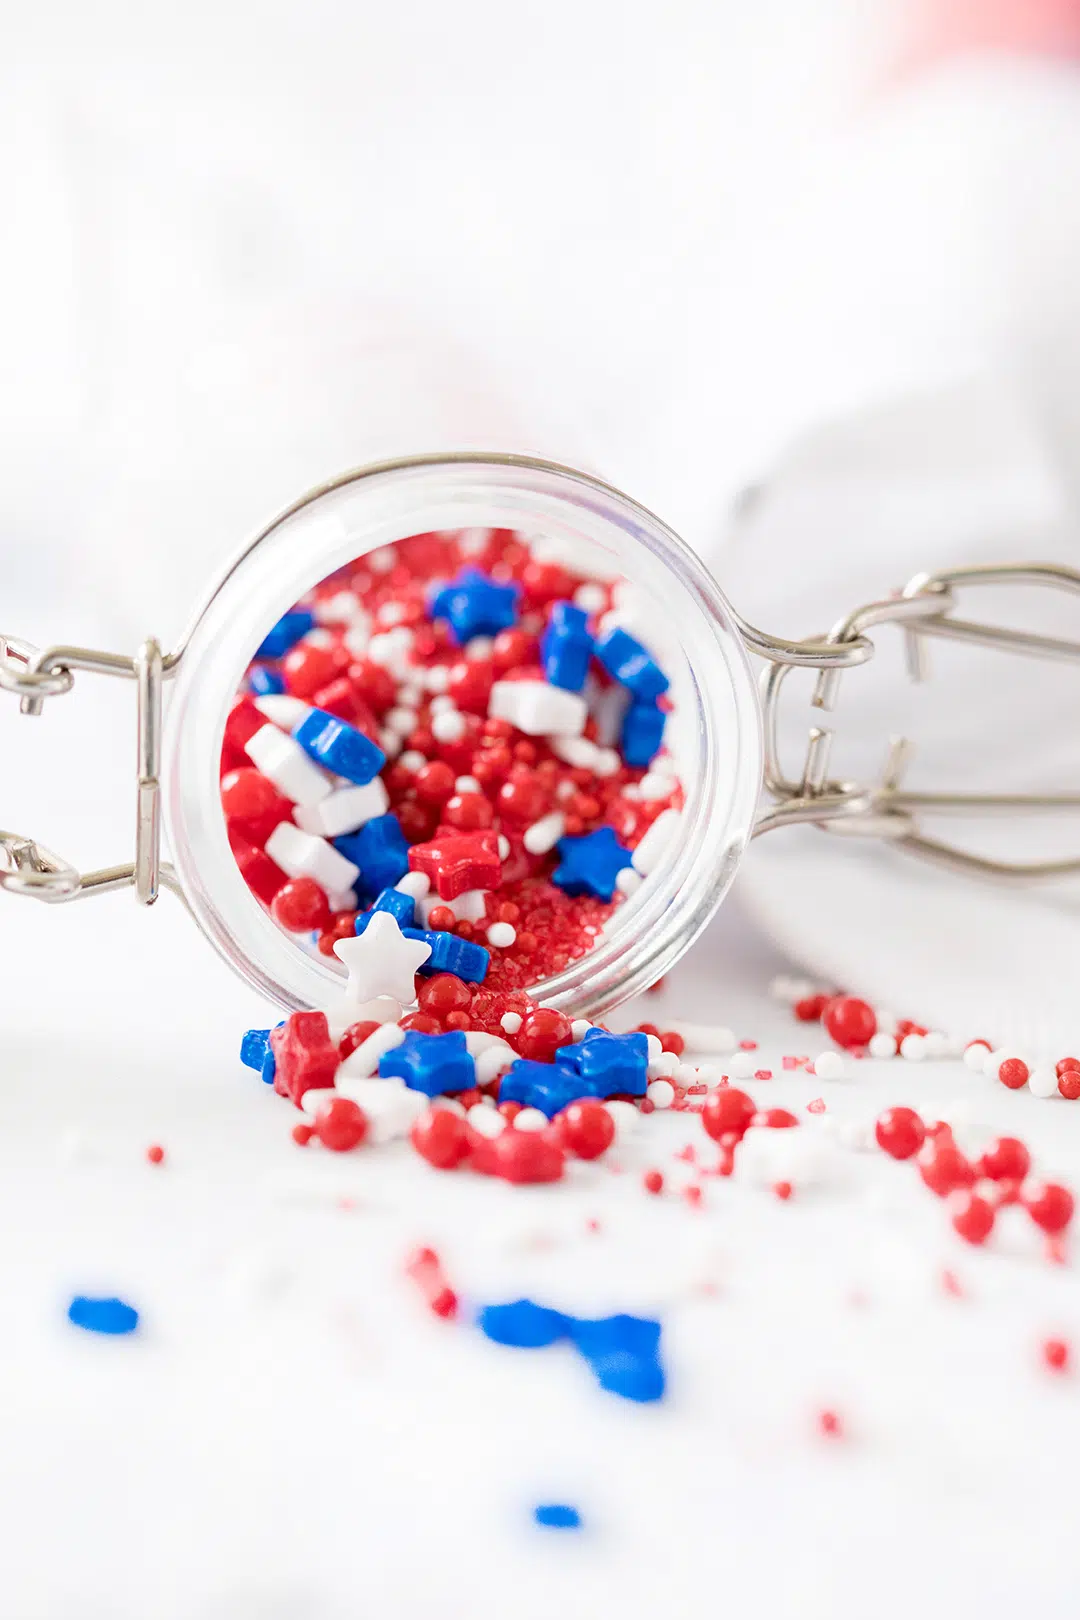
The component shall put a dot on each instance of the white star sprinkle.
(381, 961)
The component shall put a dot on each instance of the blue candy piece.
(402, 907)
(547, 1086)
(523, 1074)
(627, 662)
(102, 1315)
(339, 747)
(551, 1087)
(590, 864)
(449, 954)
(264, 682)
(609, 1063)
(432, 1064)
(557, 1516)
(642, 733)
(566, 647)
(290, 628)
(623, 1352)
(257, 1053)
(522, 1323)
(379, 848)
(253, 1047)
(475, 604)
(555, 1095)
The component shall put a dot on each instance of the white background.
(244, 247)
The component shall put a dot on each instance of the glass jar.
(714, 734)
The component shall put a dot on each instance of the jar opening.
(489, 696)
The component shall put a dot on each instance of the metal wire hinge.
(35, 674)
(885, 810)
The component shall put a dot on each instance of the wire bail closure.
(34, 674)
(885, 810)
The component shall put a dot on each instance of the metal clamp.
(34, 674)
(884, 810)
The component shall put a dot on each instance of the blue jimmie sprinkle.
(557, 1516)
(102, 1315)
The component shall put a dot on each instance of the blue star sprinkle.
(432, 1064)
(591, 864)
(608, 1064)
(476, 605)
(551, 1087)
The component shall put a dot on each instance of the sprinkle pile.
(461, 735)
(867, 1031)
(493, 1082)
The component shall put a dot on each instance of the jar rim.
(646, 934)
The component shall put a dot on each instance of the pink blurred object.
(940, 29)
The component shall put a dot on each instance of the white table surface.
(290, 1434)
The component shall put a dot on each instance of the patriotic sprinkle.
(557, 1516)
(109, 1316)
(442, 746)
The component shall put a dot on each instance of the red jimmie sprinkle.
(425, 1270)
(951, 1284)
